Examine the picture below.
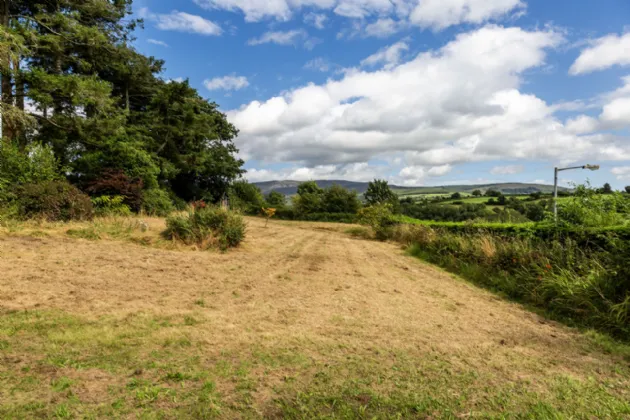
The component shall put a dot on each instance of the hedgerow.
(581, 275)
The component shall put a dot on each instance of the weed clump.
(54, 201)
(207, 227)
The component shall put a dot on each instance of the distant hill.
(290, 187)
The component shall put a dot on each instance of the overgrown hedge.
(580, 274)
(290, 214)
(603, 238)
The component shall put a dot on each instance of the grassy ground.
(302, 321)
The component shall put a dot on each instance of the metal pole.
(555, 194)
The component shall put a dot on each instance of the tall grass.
(207, 227)
(588, 286)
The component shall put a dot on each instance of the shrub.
(246, 197)
(54, 200)
(116, 183)
(579, 277)
(206, 227)
(380, 218)
(276, 199)
(156, 202)
(35, 164)
(337, 199)
(106, 205)
(589, 208)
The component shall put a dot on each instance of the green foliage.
(493, 193)
(380, 218)
(337, 199)
(102, 106)
(288, 213)
(246, 197)
(477, 193)
(276, 199)
(580, 283)
(207, 227)
(309, 199)
(378, 192)
(157, 202)
(456, 196)
(438, 212)
(34, 165)
(106, 205)
(309, 187)
(313, 200)
(587, 208)
(54, 201)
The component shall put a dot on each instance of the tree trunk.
(5, 69)
(19, 85)
(19, 133)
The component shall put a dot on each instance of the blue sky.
(420, 92)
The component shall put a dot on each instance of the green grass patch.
(133, 374)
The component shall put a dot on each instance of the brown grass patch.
(296, 308)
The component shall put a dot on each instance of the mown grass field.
(302, 321)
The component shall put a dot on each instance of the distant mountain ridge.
(289, 187)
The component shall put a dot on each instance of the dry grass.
(301, 321)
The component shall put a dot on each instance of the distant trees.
(308, 199)
(493, 193)
(378, 192)
(627, 189)
(443, 213)
(246, 197)
(276, 199)
(312, 199)
(477, 193)
(606, 189)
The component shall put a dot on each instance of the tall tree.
(607, 189)
(71, 80)
(378, 191)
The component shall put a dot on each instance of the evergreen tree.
(101, 106)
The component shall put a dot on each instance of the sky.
(418, 92)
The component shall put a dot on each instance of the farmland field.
(301, 321)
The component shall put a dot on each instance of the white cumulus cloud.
(226, 83)
(428, 113)
(181, 22)
(440, 14)
(157, 42)
(603, 53)
(317, 20)
(293, 37)
(621, 172)
(318, 64)
(435, 14)
(388, 56)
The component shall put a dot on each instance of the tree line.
(77, 95)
